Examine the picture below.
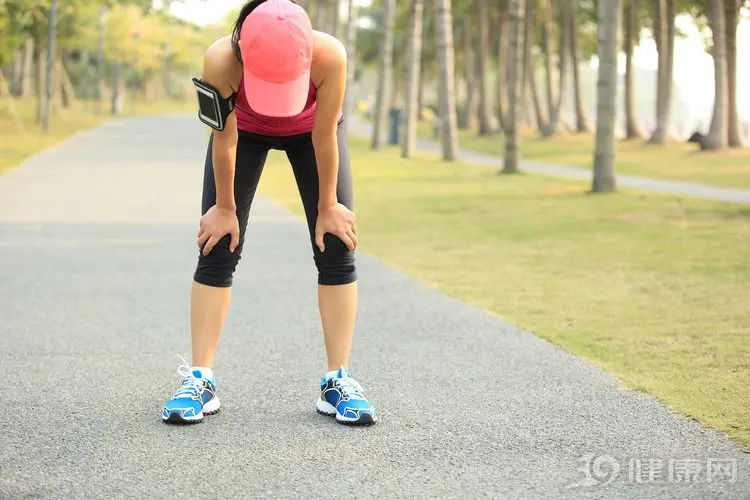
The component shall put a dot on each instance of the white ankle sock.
(206, 373)
(333, 374)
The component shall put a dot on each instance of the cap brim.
(277, 99)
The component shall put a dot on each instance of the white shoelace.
(191, 386)
(350, 388)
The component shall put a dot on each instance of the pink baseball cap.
(276, 44)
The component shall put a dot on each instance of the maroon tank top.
(250, 121)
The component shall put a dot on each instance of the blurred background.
(138, 55)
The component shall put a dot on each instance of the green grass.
(675, 161)
(651, 288)
(15, 147)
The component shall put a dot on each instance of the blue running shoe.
(195, 398)
(342, 396)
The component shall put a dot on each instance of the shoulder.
(220, 64)
(220, 54)
(329, 52)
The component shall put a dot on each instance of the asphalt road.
(97, 249)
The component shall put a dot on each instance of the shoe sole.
(327, 409)
(210, 408)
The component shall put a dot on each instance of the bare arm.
(330, 97)
(221, 219)
(333, 217)
(224, 141)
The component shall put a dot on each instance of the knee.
(336, 265)
(217, 268)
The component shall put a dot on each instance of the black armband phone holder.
(213, 110)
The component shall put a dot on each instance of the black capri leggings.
(336, 264)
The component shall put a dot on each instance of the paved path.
(690, 189)
(97, 245)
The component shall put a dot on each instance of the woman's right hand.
(217, 223)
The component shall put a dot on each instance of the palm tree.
(545, 9)
(633, 129)
(732, 16)
(100, 59)
(50, 57)
(351, 64)
(485, 122)
(606, 96)
(383, 92)
(468, 116)
(664, 33)
(413, 67)
(583, 123)
(335, 17)
(28, 63)
(557, 105)
(502, 49)
(530, 65)
(317, 16)
(444, 47)
(515, 60)
(718, 132)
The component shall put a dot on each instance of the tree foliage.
(136, 33)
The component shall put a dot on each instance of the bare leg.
(208, 309)
(338, 311)
(337, 302)
(211, 292)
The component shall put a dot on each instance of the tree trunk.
(324, 14)
(412, 77)
(664, 33)
(41, 63)
(717, 137)
(117, 98)
(732, 12)
(523, 108)
(335, 17)
(515, 32)
(100, 60)
(420, 94)
(530, 117)
(535, 97)
(27, 70)
(383, 93)
(51, 36)
(397, 83)
(85, 88)
(606, 96)
(583, 122)
(467, 117)
(313, 10)
(351, 64)
(319, 16)
(15, 72)
(529, 32)
(672, 9)
(557, 114)
(633, 129)
(67, 95)
(485, 113)
(546, 11)
(444, 47)
(502, 53)
(659, 31)
(167, 75)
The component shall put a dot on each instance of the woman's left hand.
(340, 222)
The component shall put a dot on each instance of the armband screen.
(212, 109)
